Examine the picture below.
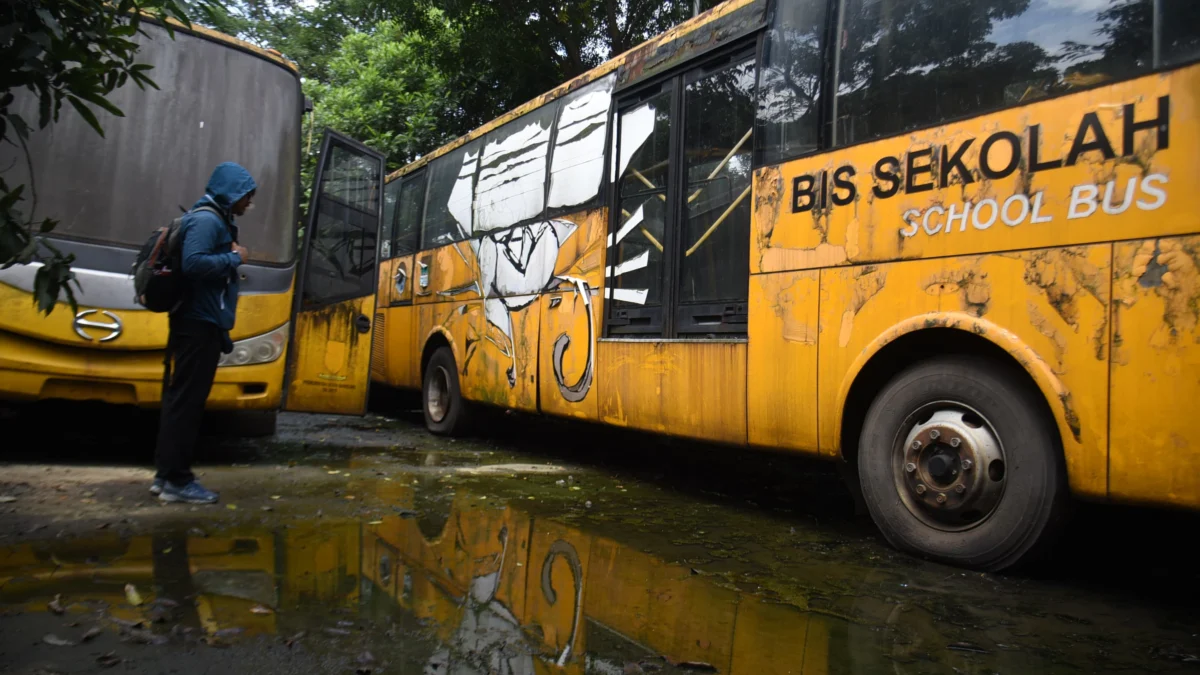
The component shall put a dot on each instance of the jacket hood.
(229, 183)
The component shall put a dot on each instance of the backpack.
(158, 281)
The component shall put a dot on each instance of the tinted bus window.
(342, 262)
(714, 247)
(904, 64)
(451, 191)
(512, 172)
(789, 80)
(577, 168)
(391, 197)
(408, 219)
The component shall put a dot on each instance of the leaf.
(91, 633)
(7, 499)
(55, 605)
(132, 595)
(87, 115)
(231, 507)
(52, 639)
(97, 99)
(108, 660)
(259, 609)
(50, 22)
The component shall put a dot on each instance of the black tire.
(451, 416)
(1025, 500)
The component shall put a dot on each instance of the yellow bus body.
(1079, 260)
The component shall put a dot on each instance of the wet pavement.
(368, 546)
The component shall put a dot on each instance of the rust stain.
(868, 281)
(1170, 269)
(1063, 275)
(973, 287)
(1042, 325)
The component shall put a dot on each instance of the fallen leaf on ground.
(366, 658)
(259, 609)
(337, 631)
(102, 526)
(229, 632)
(267, 508)
(334, 472)
(108, 660)
(145, 637)
(294, 639)
(55, 605)
(275, 497)
(132, 595)
(53, 639)
(375, 522)
(91, 633)
(231, 507)
(7, 499)
(123, 623)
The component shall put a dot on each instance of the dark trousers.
(193, 349)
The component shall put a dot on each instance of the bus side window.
(391, 197)
(407, 238)
(713, 248)
(903, 64)
(789, 81)
(450, 196)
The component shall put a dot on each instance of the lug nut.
(920, 489)
(967, 464)
(910, 467)
(955, 442)
(941, 499)
(935, 434)
(960, 489)
(916, 445)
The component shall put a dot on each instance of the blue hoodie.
(209, 263)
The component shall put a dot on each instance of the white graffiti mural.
(500, 187)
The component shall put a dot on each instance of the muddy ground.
(366, 545)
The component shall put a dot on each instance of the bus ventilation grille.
(378, 353)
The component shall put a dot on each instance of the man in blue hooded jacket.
(200, 328)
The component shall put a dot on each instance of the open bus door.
(329, 363)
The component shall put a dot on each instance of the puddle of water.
(452, 579)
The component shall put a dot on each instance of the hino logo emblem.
(81, 322)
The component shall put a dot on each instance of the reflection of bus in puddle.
(512, 593)
(230, 579)
(475, 587)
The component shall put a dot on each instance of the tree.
(383, 89)
(77, 51)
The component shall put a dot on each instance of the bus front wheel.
(959, 463)
(445, 410)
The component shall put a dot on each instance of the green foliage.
(383, 89)
(77, 51)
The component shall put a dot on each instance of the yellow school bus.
(954, 245)
(219, 99)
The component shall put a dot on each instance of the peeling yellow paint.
(868, 281)
(1155, 372)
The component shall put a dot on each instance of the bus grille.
(378, 353)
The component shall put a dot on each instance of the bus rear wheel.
(959, 463)
(446, 412)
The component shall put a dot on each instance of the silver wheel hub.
(951, 470)
(437, 394)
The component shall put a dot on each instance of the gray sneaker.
(156, 487)
(192, 493)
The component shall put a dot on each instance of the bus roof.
(216, 36)
(643, 60)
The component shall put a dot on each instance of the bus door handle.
(363, 323)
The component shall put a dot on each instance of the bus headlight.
(263, 348)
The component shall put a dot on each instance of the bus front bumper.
(33, 370)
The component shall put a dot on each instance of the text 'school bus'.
(218, 100)
(954, 244)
